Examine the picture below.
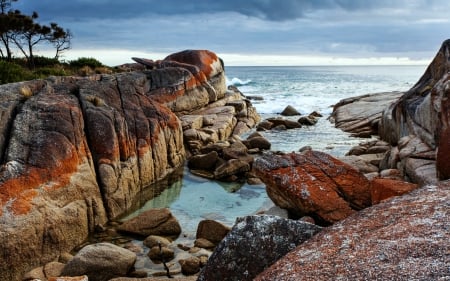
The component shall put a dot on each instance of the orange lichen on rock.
(386, 188)
(16, 194)
(314, 183)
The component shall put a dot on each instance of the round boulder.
(152, 222)
(100, 262)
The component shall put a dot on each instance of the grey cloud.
(274, 10)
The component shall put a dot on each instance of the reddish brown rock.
(387, 188)
(152, 222)
(315, 184)
(212, 231)
(402, 238)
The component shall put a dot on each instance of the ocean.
(308, 89)
(316, 88)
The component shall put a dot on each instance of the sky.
(251, 32)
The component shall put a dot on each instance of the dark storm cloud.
(350, 28)
(275, 10)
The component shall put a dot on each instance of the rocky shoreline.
(111, 136)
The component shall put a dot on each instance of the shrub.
(81, 62)
(44, 72)
(11, 72)
(40, 61)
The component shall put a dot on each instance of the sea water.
(307, 89)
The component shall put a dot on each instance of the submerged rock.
(254, 243)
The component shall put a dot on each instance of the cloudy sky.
(252, 32)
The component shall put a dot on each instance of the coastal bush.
(11, 72)
(82, 62)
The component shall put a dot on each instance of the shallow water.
(192, 199)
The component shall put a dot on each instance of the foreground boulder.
(315, 184)
(100, 262)
(404, 238)
(254, 243)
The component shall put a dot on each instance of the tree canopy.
(21, 33)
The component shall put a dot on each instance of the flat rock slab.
(362, 113)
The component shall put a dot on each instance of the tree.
(25, 33)
(60, 39)
(5, 28)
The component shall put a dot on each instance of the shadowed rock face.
(76, 152)
(404, 238)
(423, 111)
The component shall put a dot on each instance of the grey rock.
(254, 243)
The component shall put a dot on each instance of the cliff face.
(423, 111)
(76, 152)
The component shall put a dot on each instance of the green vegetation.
(17, 69)
(19, 34)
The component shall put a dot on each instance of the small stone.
(212, 231)
(155, 240)
(290, 111)
(53, 269)
(190, 266)
(69, 278)
(204, 243)
(65, 257)
(159, 254)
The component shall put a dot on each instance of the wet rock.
(394, 174)
(290, 111)
(315, 184)
(152, 222)
(155, 240)
(203, 161)
(387, 188)
(190, 265)
(258, 142)
(307, 120)
(161, 254)
(212, 231)
(230, 168)
(100, 262)
(204, 243)
(264, 125)
(402, 238)
(289, 124)
(254, 243)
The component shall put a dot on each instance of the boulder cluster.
(76, 153)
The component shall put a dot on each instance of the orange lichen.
(21, 190)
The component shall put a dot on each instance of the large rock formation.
(423, 111)
(76, 152)
(403, 238)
